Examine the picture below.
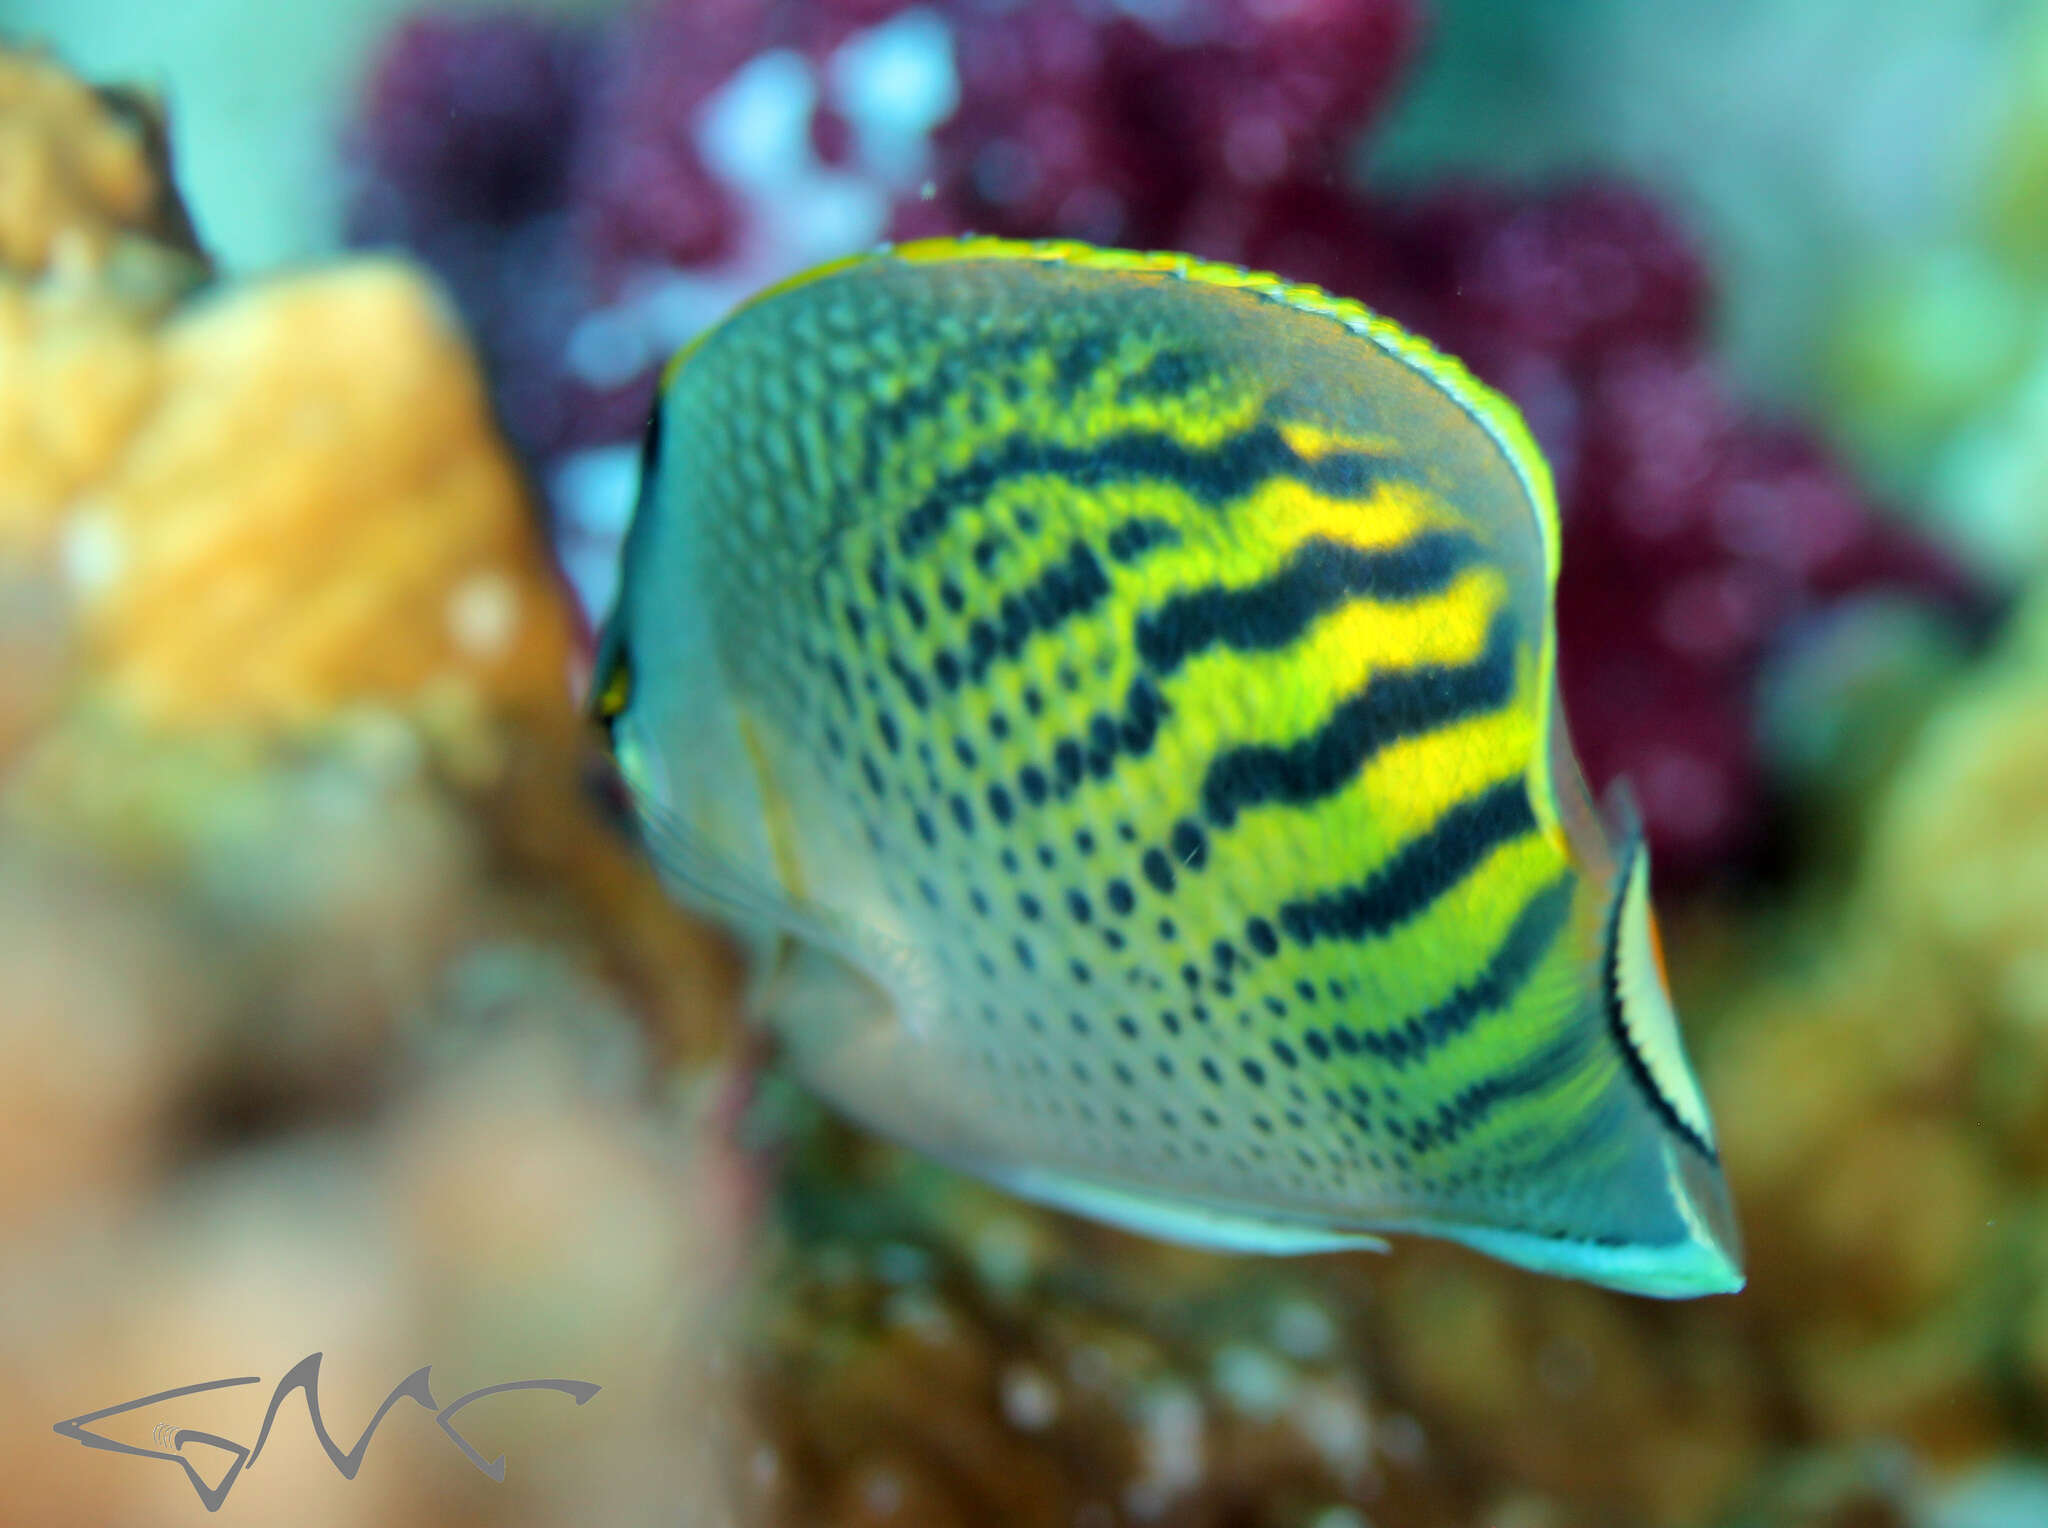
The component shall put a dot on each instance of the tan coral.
(314, 509)
(1885, 1113)
(275, 515)
(1539, 1377)
(284, 498)
(283, 509)
(1958, 862)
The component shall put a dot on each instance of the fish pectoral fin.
(712, 879)
(819, 1001)
(857, 1039)
(702, 872)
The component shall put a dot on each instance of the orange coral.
(312, 507)
(278, 500)
(329, 999)
(242, 517)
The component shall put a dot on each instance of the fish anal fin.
(1186, 1222)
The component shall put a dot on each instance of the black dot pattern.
(998, 743)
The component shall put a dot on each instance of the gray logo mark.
(304, 1376)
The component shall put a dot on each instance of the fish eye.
(613, 691)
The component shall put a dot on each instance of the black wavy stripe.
(1392, 706)
(1168, 374)
(993, 363)
(1320, 576)
(1472, 1104)
(1071, 586)
(1212, 476)
(1080, 359)
(1423, 870)
(1133, 538)
(1520, 951)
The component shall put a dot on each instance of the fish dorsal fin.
(1487, 409)
(1489, 412)
(1564, 802)
(1622, 815)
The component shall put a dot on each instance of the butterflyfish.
(1114, 697)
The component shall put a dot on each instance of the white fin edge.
(1643, 1000)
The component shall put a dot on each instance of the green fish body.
(1115, 695)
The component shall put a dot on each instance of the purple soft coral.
(546, 172)
(465, 154)
(1111, 129)
(470, 121)
(1694, 531)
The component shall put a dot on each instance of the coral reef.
(1009, 1369)
(1077, 125)
(327, 988)
(339, 1015)
(474, 128)
(1885, 1112)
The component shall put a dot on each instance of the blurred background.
(339, 1015)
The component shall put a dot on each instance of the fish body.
(1115, 695)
